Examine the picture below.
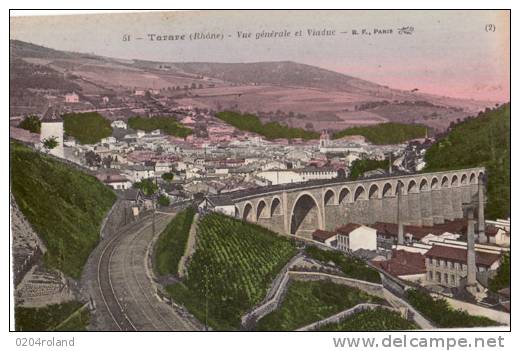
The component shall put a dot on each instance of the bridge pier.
(426, 208)
(389, 209)
(375, 210)
(332, 217)
(358, 211)
(456, 200)
(466, 193)
(414, 209)
(437, 208)
(404, 213)
(447, 205)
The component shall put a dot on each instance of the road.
(122, 286)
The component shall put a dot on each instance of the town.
(450, 253)
(256, 196)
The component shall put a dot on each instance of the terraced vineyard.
(310, 301)
(231, 270)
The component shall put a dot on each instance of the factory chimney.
(390, 164)
(481, 227)
(400, 229)
(472, 268)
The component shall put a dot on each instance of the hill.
(231, 269)
(385, 133)
(64, 205)
(271, 130)
(288, 92)
(480, 141)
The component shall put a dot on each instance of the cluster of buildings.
(439, 257)
(215, 159)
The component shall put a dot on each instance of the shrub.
(351, 266)
(172, 242)
(442, 314)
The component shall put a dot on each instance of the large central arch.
(305, 216)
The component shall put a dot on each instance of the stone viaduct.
(301, 208)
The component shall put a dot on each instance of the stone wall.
(190, 247)
(368, 287)
(337, 318)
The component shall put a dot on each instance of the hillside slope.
(480, 141)
(64, 206)
(231, 269)
(282, 91)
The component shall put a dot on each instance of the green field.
(233, 265)
(52, 317)
(311, 301)
(86, 128)
(442, 314)
(480, 141)
(172, 242)
(385, 133)
(167, 125)
(64, 205)
(272, 130)
(352, 267)
(361, 166)
(378, 319)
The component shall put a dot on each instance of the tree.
(31, 123)
(163, 200)
(147, 186)
(107, 161)
(503, 277)
(92, 159)
(50, 143)
(167, 176)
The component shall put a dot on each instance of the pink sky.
(450, 52)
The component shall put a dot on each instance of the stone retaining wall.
(338, 317)
(190, 247)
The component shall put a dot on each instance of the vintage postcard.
(261, 171)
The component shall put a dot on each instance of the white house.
(325, 237)
(117, 182)
(137, 173)
(72, 98)
(119, 124)
(219, 204)
(313, 173)
(163, 167)
(52, 128)
(108, 140)
(281, 176)
(352, 237)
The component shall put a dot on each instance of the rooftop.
(403, 263)
(322, 235)
(460, 255)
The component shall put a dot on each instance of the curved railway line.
(125, 288)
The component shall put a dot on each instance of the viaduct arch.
(301, 208)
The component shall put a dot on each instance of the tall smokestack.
(481, 228)
(390, 164)
(472, 268)
(400, 231)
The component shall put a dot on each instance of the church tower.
(324, 139)
(52, 127)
